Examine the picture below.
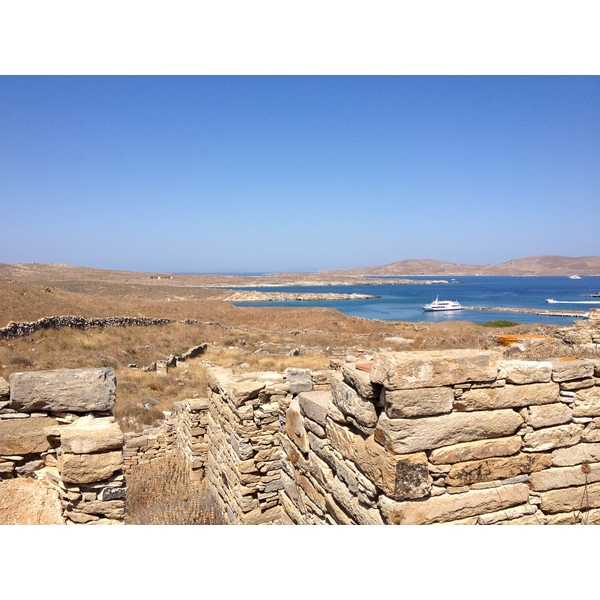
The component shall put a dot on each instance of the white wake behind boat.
(442, 305)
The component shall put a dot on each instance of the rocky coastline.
(253, 296)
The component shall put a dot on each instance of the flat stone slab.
(63, 390)
(24, 436)
(404, 436)
(411, 370)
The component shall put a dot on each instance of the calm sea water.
(404, 302)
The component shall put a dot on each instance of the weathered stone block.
(418, 403)
(565, 369)
(360, 381)
(476, 450)
(87, 435)
(553, 437)
(492, 469)
(571, 499)
(294, 426)
(523, 371)
(4, 389)
(68, 390)
(298, 380)
(24, 436)
(89, 468)
(587, 402)
(576, 455)
(405, 436)
(547, 415)
(351, 403)
(509, 396)
(410, 370)
(450, 507)
(314, 405)
(562, 477)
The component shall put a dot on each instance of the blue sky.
(266, 173)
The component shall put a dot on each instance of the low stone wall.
(23, 328)
(57, 426)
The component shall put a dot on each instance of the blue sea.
(404, 302)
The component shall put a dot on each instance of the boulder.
(63, 390)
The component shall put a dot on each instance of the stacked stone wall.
(57, 426)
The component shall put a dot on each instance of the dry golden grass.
(244, 339)
(162, 493)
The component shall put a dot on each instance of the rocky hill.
(535, 265)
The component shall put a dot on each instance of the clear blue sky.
(211, 173)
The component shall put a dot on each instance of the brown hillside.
(535, 265)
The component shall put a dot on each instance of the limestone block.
(565, 369)
(87, 435)
(70, 390)
(410, 370)
(294, 426)
(298, 380)
(360, 514)
(491, 469)
(553, 437)
(111, 509)
(576, 455)
(511, 516)
(561, 477)
(510, 396)
(405, 436)
(89, 468)
(547, 415)
(571, 499)
(592, 431)
(314, 405)
(450, 507)
(476, 450)
(523, 371)
(24, 436)
(351, 403)
(587, 402)
(360, 381)
(418, 403)
(240, 392)
(578, 384)
(4, 389)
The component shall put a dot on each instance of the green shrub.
(501, 323)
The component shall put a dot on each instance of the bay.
(405, 302)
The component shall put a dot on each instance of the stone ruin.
(458, 436)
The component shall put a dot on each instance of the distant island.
(536, 265)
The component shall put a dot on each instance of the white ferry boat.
(442, 305)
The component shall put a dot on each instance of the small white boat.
(551, 301)
(574, 277)
(442, 305)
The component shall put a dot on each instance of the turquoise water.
(404, 302)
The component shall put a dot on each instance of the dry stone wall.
(57, 426)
